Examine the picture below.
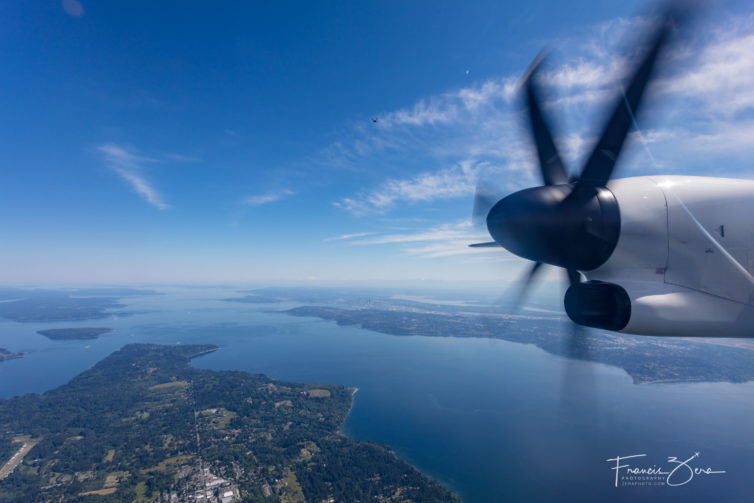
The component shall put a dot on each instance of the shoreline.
(447, 485)
(353, 390)
(6, 354)
(204, 352)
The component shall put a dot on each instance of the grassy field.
(166, 464)
(27, 444)
(100, 492)
(169, 386)
(293, 492)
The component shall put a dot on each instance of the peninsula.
(28, 305)
(144, 425)
(645, 359)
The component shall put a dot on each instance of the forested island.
(74, 333)
(143, 425)
(9, 355)
(645, 359)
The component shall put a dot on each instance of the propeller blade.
(577, 391)
(601, 163)
(578, 385)
(524, 288)
(503, 301)
(551, 166)
(484, 199)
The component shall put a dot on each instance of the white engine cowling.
(683, 262)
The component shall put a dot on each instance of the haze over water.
(485, 417)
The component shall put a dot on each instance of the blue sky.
(208, 142)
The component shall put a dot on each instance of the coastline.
(446, 485)
(6, 354)
(353, 390)
(204, 352)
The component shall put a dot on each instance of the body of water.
(489, 419)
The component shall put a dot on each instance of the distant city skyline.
(236, 143)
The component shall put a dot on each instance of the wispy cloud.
(130, 167)
(343, 237)
(451, 106)
(437, 241)
(702, 102)
(722, 77)
(270, 197)
(456, 181)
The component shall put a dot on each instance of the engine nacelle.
(598, 304)
(657, 309)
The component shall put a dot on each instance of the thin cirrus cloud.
(270, 197)
(479, 129)
(344, 237)
(452, 182)
(438, 241)
(130, 167)
(725, 68)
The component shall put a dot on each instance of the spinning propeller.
(572, 223)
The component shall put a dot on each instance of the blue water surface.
(489, 419)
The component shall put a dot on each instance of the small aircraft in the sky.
(652, 255)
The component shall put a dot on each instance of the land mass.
(51, 305)
(645, 359)
(74, 333)
(255, 299)
(143, 425)
(113, 292)
(8, 355)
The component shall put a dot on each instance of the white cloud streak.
(442, 240)
(451, 182)
(452, 106)
(343, 237)
(268, 198)
(130, 167)
(723, 76)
